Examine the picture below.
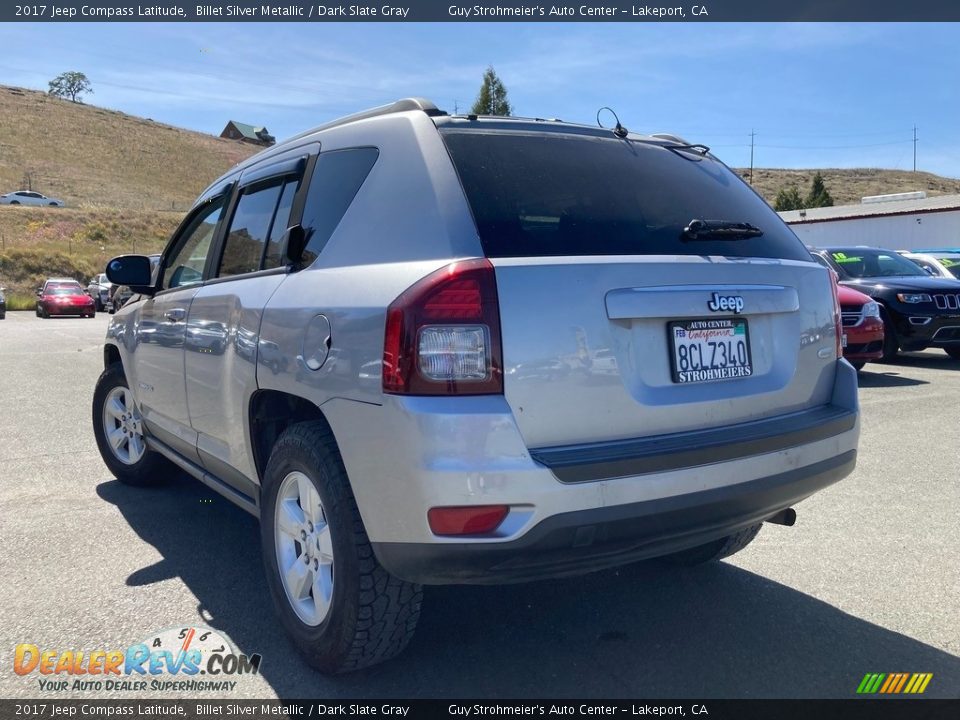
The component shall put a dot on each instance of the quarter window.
(337, 178)
(185, 266)
(275, 255)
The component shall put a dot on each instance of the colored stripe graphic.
(894, 683)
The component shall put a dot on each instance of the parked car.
(99, 289)
(938, 264)
(28, 197)
(3, 304)
(862, 327)
(436, 259)
(918, 311)
(64, 296)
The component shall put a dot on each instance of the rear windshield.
(537, 194)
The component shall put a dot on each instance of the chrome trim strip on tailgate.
(661, 453)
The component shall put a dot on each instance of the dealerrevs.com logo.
(185, 659)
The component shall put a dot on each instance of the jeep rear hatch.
(642, 291)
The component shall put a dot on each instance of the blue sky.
(817, 95)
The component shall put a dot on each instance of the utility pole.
(914, 148)
(752, 136)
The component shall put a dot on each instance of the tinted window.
(248, 230)
(337, 177)
(276, 252)
(185, 265)
(563, 194)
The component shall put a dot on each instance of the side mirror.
(133, 271)
(296, 243)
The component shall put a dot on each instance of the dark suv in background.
(918, 311)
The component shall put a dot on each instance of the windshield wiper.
(719, 230)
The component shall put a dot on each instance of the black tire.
(716, 550)
(372, 615)
(857, 364)
(151, 468)
(14, 202)
(52, 204)
(953, 352)
(43, 313)
(891, 346)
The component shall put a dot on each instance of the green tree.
(818, 196)
(788, 199)
(70, 85)
(492, 99)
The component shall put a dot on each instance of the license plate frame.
(721, 328)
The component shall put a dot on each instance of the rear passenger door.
(223, 327)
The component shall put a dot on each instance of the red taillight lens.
(467, 520)
(442, 335)
(837, 316)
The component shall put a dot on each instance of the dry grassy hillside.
(848, 186)
(92, 157)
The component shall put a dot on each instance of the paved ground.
(867, 581)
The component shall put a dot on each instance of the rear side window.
(249, 229)
(337, 178)
(538, 194)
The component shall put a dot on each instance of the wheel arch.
(111, 355)
(269, 414)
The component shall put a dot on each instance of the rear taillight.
(443, 334)
(837, 317)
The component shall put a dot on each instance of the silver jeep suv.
(430, 349)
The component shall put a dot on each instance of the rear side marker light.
(466, 520)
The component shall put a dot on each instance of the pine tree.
(492, 99)
(819, 196)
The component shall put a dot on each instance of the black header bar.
(502, 11)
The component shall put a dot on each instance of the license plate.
(709, 350)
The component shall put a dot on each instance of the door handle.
(175, 314)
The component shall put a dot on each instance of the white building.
(906, 221)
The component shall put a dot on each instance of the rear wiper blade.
(719, 230)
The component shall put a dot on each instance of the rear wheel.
(341, 609)
(716, 550)
(118, 428)
(14, 202)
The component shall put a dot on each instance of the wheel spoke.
(116, 409)
(322, 592)
(299, 578)
(117, 438)
(136, 447)
(308, 497)
(325, 545)
(290, 518)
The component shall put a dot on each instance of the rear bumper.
(635, 499)
(593, 539)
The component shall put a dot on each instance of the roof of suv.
(442, 119)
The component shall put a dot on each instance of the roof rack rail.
(403, 105)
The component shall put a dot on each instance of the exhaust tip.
(785, 517)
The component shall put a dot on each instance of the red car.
(64, 297)
(862, 327)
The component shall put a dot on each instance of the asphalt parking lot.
(867, 581)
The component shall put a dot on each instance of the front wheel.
(716, 550)
(342, 610)
(118, 429)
